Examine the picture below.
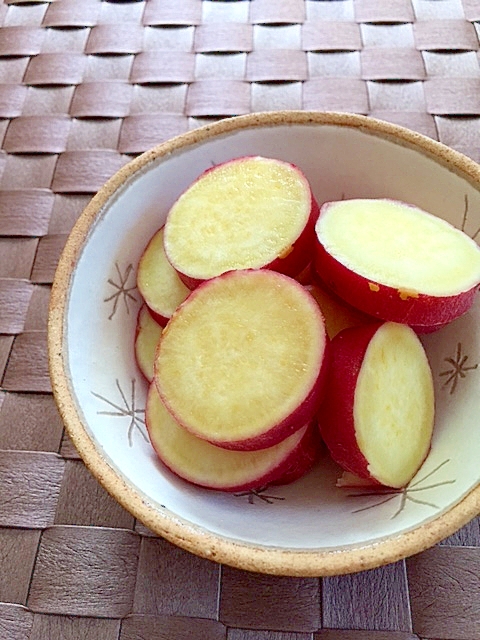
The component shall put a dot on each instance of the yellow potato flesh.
(146, 341)
(243, 214)
(394, 405)
(158, 281)
(203, 463)
(241, 354)
(400, 246)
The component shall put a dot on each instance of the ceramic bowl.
(311, 527)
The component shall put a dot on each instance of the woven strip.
(84, 87)
(389, 11)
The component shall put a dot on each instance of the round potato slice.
(242, 361)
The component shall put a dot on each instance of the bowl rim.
(193, 538)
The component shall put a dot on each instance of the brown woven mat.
(84, 86)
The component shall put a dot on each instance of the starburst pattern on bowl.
(126, 408)
(406, 494)
(259, 494)
(457, 370)
(122, 289)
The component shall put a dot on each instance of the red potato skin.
(159, 319)
(302, 459)
(298, 462)
(335, 418)
(191, 283)
(422, 312)
(294, 263)
(303, 414)
(296, 259)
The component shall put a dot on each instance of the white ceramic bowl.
(309, 527)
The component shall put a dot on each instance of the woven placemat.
(85, 85)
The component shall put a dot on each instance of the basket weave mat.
(84, 86)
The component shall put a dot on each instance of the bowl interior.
(104, 394)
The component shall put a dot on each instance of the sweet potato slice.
(396, 262)
(378, 415)
(206, 465)
(248, 213)
(242, 361)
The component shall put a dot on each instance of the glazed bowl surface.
(310, 527)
